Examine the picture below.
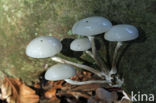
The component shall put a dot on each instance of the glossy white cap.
(122, 32)
(91, 26)
(82, 44)
(60, 72)
(43, 47)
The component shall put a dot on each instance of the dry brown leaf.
(14, 91)
(57, 86)
(37, 86)
(81, 76)
(6, 90)
(9, 90)
(50, 93)
(11, 99)
(27, 94)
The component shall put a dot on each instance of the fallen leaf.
(6, 90)
(14, 91)
(87, 87)
(11, 99)
(36, 85)
(50, 93)
(9, 90)
(27, 94)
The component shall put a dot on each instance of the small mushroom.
(90, 27)
(43, 47)
(120, 33)
(82, 44)
(60, 72)
(64, 72)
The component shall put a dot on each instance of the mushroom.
(120, 33)
(60, 72)
(90, 27)
(43, 47)
(82, 44)
(64, 72)
(47, 46)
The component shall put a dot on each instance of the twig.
(88, 87)
(74, 94)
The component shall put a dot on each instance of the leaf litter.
(15, 91)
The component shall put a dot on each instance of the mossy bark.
(23, 20)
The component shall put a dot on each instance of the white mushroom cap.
(122, 32)
(60, 72)
(91, 26)
(82, 44)
(43, 47)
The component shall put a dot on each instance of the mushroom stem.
(85, 82)
(97, 59)
(114, 69)
(90, 54)
(60, 60)
(91, 39)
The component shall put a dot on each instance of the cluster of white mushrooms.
(48, 46)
